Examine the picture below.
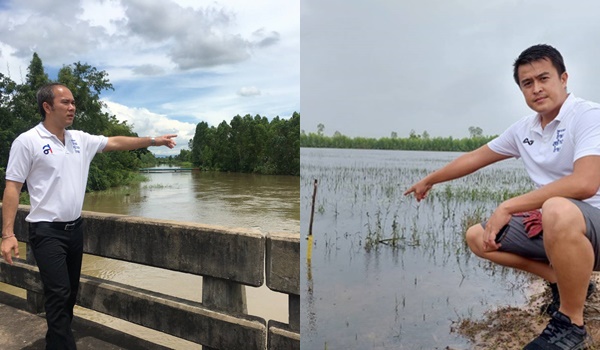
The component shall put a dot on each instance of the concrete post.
(294, 312)
(223, 295)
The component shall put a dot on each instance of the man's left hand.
(166, 140)
(498, 219)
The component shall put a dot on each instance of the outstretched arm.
(461, 166)
(125, 143)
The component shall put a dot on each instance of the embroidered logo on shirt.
(76, 147)
(528, 141)
(557, 144)
(47, 149)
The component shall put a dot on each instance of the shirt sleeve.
(506, 143)
(586, 133)
(19, 162)
(93, 143)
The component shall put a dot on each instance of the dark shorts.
(516, 240)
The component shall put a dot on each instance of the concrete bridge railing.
(227, 259)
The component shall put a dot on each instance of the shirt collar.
(566, 107)
(41, 129)
(43, 132)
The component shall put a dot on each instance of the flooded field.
(386, 272)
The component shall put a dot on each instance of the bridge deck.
(20, 329)
(165, 170)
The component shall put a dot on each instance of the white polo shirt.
(56, 174)
(548, 154)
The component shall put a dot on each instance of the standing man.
(55, 163)
(560, 148)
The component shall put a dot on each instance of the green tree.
(184, 156)
(475, 131)
(36, 76)
(87, 83)
(224, 152)
(285, 145)
(18, 105)
(201, 148)
(320, 129)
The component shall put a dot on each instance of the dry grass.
(510, 328)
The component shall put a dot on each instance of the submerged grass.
(375, 196)
(361, 208)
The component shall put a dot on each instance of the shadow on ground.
(21, 330)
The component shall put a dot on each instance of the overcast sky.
(370, 67)
(173, 63)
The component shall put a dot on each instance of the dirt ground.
(512, 328)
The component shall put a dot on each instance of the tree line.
(249, 145)
(414, 142)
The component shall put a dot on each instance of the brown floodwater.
(262, 202)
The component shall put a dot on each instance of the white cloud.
(148, 69)
(198, 37)
(147, 123)
(249, 91)
(116, 31)
(183, 60)
(265, 39)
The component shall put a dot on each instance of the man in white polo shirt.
(55, 163)
(560, 148)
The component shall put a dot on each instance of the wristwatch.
(152, 141)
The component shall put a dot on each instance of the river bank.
(511, 327)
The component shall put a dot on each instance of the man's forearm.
(568, 187)
(465, 165)
(457, 168)
(10, 203)
(583, 183)
(127, 143)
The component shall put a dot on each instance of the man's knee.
(560, 218)
(473, 238)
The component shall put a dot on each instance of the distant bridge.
(164, 170)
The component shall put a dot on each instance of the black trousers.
(58, 251)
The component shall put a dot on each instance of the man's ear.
(563, 79)
(47, 107)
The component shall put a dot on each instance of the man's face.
(63, 110)
(544, 90)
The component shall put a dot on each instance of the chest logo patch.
(76, 147)
(557, 144)
(47, 149)
(528, 141)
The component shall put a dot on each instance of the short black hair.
(46, 94)
(536, 53)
